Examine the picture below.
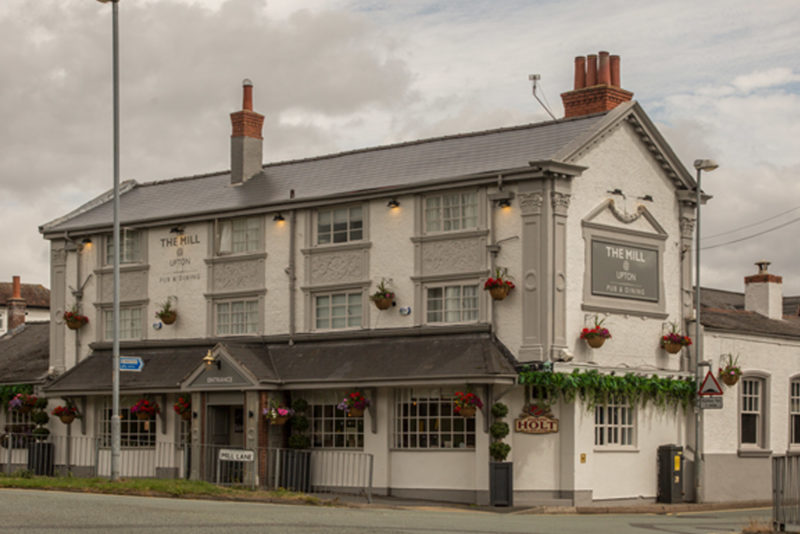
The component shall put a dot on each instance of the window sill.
(123, 267)
(237, 256)
(754, 453)
(452, 234)
(435, 449)
(336, 247)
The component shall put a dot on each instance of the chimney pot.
(247, 97)
(580, 72)
(762, 266)
(615, 71)
(246, 140)
(591, 70)
(604, 69)
(17, 291)
(15, 305)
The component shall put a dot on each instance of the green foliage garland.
(594, 388)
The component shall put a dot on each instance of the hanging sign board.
(236, 455)
(624, 271)
(710, 386)
(536, 420)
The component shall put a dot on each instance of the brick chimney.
(16, 306)
(246, 140)
(763, 292)
(596, 86)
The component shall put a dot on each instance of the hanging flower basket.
(597, 335)
(730, 380)
(467, 411)
(23, 402)
(353, 404)
(144, 409)
(675, 341)
(672, 348)
(142, 416)
(280, 420)
(74, 319)
(383, 298)
(183, 407)
(498, 285)
(167, 313)
(730, 372)
(466, 404)
(277, 414)
(66, 419)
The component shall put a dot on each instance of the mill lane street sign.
(131, 363)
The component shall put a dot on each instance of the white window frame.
(354, 225)
(131, 248)
(250, 317)
(330, 428)
(239, 235)
(131, 323)
(446, 311)
(134, 433)
(19, 424)
(354, 300)
(454, 211)
(424, 419)
(615, 424)
(794, 413)
(753, 394)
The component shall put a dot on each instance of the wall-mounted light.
(210, 360)
(393, 203)
(648, 198)
(278, 218)
(616, 192)
(176, 230)
(504, 203)
(86, 241)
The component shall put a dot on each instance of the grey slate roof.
(372, 169)
(472, 356)
(25, 354)
(724, 310)
(34, 295)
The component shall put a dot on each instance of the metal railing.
(308, 471)
(786, 493)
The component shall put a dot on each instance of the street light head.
(707, 165)
(107, 1)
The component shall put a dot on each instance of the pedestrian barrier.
(786, 493)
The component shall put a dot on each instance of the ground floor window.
(134, 432)
(424, 419)
(752, 412)
(795, 413)
(17, 430)
(614, 424)
(330, 427)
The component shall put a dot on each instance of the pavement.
(382, 501)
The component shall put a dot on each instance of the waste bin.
(670, 474)
(40, 458)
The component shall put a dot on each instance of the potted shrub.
(144, 409)
(167, 313)
(501, 473)
(277, 414)
(67, 413)
(74, 319)
(383, 298)
(353, 404)
(23, 402)
(499, 286)
(466, 404)
(730, 370)
(183, 407)
(596, 335)
(674, 341)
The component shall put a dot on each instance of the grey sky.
(721, 79)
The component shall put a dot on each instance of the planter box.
(501, 483)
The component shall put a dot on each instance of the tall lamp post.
(708, 166)
(115, 418)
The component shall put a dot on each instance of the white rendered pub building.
(271, 267)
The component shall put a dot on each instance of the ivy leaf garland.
(594, 388)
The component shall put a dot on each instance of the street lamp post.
(115, 418)
(708, 166)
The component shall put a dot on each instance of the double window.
(134, 432)
(338, 310)
(239, 235)
(130, 250)
(340, 225)
(452, 304)
(130, 323)
(235, 317)
(330, 427)
(424, 419)
(614, 424)
(451, 212)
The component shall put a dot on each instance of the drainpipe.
(292, 275)
(77, 294)
(493, 247)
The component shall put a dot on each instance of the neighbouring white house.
(20, 302)
(271, 270)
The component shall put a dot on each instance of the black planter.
(501, 483)
(295, 470)
(40, 458)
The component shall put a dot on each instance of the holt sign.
(536, 420)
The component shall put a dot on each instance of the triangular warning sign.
(710, 386)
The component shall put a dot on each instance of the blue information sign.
(130, 363)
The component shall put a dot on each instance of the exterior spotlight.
(504, 202)
(393, 204)
(210, 360)
(176, 230)
(617, 191)
(278, 218)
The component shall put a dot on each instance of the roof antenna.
(535, 78)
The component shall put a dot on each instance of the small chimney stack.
(16, 306)
(597, 88)
(246, 139)
(763, 292)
